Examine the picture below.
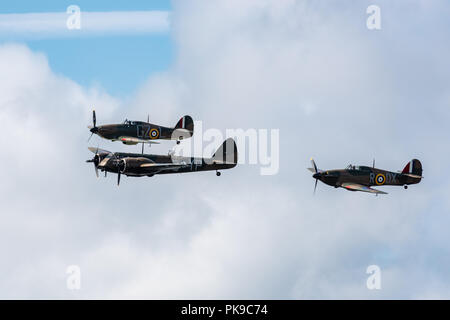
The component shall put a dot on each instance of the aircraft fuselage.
(365, 176)
(140, 130)
(131, 164)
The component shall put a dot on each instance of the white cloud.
(54, 24)
(336, 91)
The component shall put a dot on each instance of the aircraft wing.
(163, 166)
(359, 187)
(133, 140)
(98, 150)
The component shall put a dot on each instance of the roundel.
(380, 179)
(154, 133)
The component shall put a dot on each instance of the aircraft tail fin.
(413, 167)
(227, 152)
(187, 123)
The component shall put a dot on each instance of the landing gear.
(218, 173)
(178, 141)
(405, 186)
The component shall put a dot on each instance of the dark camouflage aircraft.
(361, 178)
(139, 165)
(134, 132)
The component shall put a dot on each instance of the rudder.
(227, 152)
(413, 167)
(187, 123)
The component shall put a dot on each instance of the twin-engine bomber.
(362, 178)
(139, 165)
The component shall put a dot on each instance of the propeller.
(93, 129)
(314, 165)
(120, 168)
(316, 174)
(95, 161)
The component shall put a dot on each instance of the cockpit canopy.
(133, 123)
(358, 168)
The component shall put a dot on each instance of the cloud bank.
(337, 91)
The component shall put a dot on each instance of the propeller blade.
(96, 161)
(90, 136)
(314, 165)
(315, 186)
(148, 118)
(94, 118)
(105, 173)
(142, 148)
(118, 177)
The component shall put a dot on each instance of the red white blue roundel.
(154, 133)
(380, 179)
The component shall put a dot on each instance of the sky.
(334, 89)
(99, 60)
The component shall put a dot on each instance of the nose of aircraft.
(317, 175)
(94, 130)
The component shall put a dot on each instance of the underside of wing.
(98, 150)
(360, 187)
(133, 140)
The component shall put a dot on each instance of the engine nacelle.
(132, 165)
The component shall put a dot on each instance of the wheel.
(406, 187)
(178, 141)
(218, 173)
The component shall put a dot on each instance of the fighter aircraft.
(361, 178)
(134, 132)
(138, 165)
